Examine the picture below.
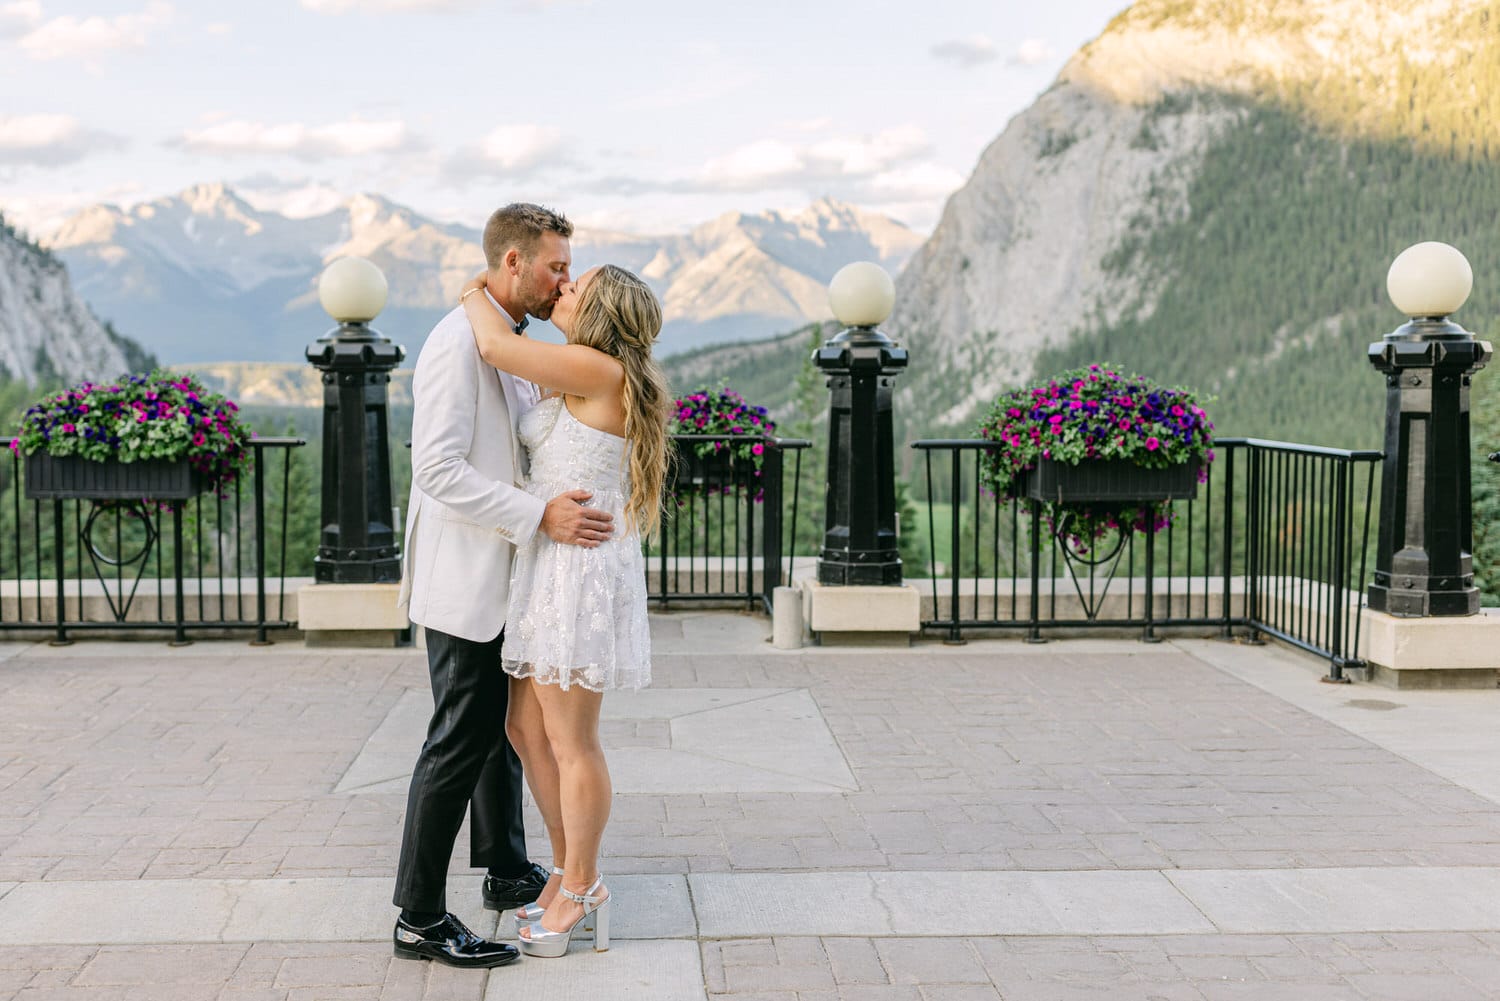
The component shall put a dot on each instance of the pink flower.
(757, 448)
(15, 444)
(1152, 444)
(68, 428)
(199, 439)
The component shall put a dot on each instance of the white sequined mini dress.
(578, 616)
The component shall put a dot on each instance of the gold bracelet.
(467, 294)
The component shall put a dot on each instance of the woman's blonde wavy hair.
(620, 315)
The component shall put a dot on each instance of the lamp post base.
(834, 571)
(1404, 602)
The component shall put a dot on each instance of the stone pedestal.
(1432, 652)
(351, 615)
(862, 615)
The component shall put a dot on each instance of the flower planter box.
(72, 476)
(705, 473)
(1108, 481)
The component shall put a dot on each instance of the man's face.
(542, 277)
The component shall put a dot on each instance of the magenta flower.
(1152, 444)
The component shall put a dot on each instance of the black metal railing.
(1276, 542)
(210, 563)
(727, 527)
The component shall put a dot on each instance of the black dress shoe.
(448, 941)
(507, 894)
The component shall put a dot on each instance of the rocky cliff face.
(1029, 252)
(46, 330)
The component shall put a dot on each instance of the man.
(466, 516)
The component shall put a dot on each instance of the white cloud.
(509, 151)
(296, 199)
(917, 182)
(756, 163)
(351, 138)
(387, 6)
(49, 139)
(772, 162)
(972, 51)
(1031, 52)
(19, 17)
(71, 37)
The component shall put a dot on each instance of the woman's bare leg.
(526, 729)
(572, 726)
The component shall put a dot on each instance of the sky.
(647, 116)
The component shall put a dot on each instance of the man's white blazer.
(467, 511)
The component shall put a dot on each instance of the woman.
(576, 625)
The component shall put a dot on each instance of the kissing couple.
(537, 468)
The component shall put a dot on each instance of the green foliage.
(720, 410)
(137, 418)
(1484, 400)
(1267, 293)
(1093, 413)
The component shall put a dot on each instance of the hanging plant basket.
(1109, 482)
(74, 477)
(705, 474)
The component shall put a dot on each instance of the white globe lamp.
(1429, 279)
(862, 294)
(352, 290)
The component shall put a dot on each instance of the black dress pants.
(466, 762)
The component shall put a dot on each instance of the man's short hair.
(520, 225)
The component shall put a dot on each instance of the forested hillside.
(1272, 287)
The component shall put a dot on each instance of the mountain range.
(203, 276)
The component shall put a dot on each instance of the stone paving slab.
(1452, 967)
(300, 910)
(629, 971)
(1345, 900)
(714, 740)
(943, 903)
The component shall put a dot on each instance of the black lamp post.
(859, 544)
(357, 543)
(1423, 564)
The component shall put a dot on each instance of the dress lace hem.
(594, 677)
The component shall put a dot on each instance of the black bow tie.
(518, 327)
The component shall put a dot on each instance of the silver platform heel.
(545, 944)
(527, 913)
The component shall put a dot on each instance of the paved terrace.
(1089, 819)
